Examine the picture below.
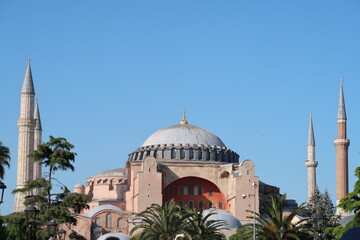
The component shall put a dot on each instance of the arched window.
(181, 202)
(210, 193)
(173, 153)
(191, 204)
(200, 190)
(199, 154)
(201, 205)
(191, 188)
(97, 221)
(210, 204)
(108, 220)
(181, 189)
(171, 191)
(120, 223)
(220, 205)
(182, 153)
(191, 153)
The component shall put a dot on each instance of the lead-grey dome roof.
(183, 134)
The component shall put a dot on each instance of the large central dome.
(184, 142)
(183, 134)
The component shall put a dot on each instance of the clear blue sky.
(110, 73)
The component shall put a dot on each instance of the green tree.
(351, 204)
(166, 221)
(55, 155)
(242, 234)
(160, 222)
(321, 203)
(201, 227)
(4, 159)
(272, 224)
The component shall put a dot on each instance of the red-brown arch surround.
(210, 193)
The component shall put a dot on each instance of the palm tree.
(202, 228)
(4, 159)
(161, 222)
(272, 224)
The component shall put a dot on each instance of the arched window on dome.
(141, 155)
(207, 154)
(201, 205)
(191, 204)
(173, 153)
(199, 154)
(148, 153)
(155, 154)
(120, 223)
(182, 153)
(109, 220)
(220, 205)
(191, 153)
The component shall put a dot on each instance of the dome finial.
(184, 121)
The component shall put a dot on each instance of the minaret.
(311, 164)
(26, 124)
(341, 145)
(37, 139)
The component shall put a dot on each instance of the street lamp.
(61, 233)
(282, 231)
(31, 213)
(2, 189)
(51, 227)
(245, 195)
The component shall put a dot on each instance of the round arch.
(202, 193)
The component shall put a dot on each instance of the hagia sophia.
(183, 162)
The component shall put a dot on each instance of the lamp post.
(51, 227)
(61, 234)
(31, 213)
(245, 195)
(282, 231)
(2, 189)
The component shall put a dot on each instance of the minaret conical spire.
(342, 145)
(311, 163)
(28, 84)
(37, 116)
(311, 138)
(341, 110)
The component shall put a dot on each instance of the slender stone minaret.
(37, 141)
(311, 164)
(26, 124)
(341, 145)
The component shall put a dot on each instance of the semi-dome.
(229, 220)
(183, 134)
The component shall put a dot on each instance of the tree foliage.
(55, 155)
(4, 159)
(321, 203)
(351, 204)
(272, 223)
(166, 221)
